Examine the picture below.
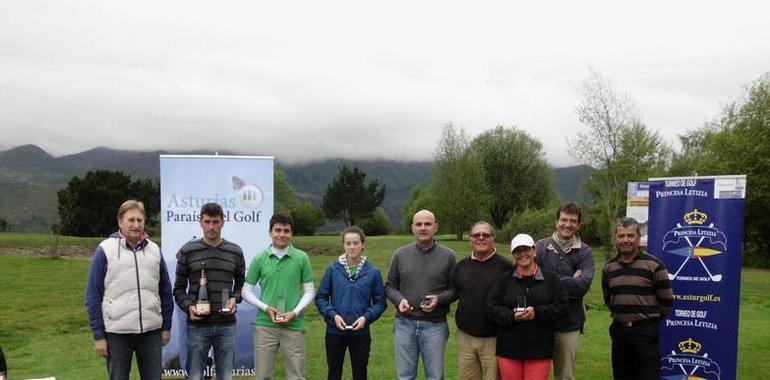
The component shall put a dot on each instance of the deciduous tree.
(515, 170)
(307, 217)
(617, 144)
(458, 190)
(738, 142)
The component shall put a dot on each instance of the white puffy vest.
(131, 304)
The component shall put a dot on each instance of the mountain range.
(30, 178)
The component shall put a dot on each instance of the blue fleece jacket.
(350, 297)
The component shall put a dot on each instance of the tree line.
(502, 175)
(88, 206)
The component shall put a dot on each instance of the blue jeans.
(200, 337)
(120, 351)
(415, 336)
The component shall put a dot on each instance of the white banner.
(637, 206)
(243, 186)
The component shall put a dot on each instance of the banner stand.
(696, 229)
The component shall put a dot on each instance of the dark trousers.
(358, 345)
(635, 354)
(120, 351)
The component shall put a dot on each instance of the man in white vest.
(128, 298)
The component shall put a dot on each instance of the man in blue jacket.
(573, 261)
(351, 296)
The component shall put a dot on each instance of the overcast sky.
(358, 79)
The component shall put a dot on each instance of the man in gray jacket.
(418, 284)
(573, 261)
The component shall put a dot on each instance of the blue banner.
(243, 186)
(696, 229)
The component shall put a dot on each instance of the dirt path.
(69, 251)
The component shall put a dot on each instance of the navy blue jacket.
(363, 295)
(577, 287)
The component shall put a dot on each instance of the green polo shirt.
(280, 279)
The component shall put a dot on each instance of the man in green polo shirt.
(286, 281)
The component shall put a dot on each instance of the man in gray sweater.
(418, 284)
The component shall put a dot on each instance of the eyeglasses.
(481, 235)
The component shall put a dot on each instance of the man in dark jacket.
(3, 367)
(472, 280)
(573, 261)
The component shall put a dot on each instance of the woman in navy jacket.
(351, 296)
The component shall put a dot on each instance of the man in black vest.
(573, 261)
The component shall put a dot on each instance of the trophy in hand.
(225, 302)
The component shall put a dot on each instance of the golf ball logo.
(250, 195)
(695, 240)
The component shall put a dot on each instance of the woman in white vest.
(128, 298)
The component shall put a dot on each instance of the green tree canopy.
(516, 172)
(375, 224)
(88, 206)
(419, 199)
(458, 190)
(738, 142)
(349, 198)
(307, 217)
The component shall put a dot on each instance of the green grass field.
(44, 330)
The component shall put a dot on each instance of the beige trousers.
(292, 343)
(565, 349)
(476, 357)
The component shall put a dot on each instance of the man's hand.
(165, 335)
(101, 347)
(232, 305)
(287, 318)
(339, 322)
(404, 306)
(359, 323)
(577, 274)
(431, 304)
(193, 313)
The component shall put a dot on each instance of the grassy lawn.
(44, 330)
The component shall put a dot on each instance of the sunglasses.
(480, 235)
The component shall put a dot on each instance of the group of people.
(515, 318)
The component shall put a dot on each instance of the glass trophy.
(280, 304)
(225, 301)
(521, 303)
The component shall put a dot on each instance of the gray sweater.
(415, 272)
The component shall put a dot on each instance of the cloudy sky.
(358, 79)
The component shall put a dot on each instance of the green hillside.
(30, 178)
